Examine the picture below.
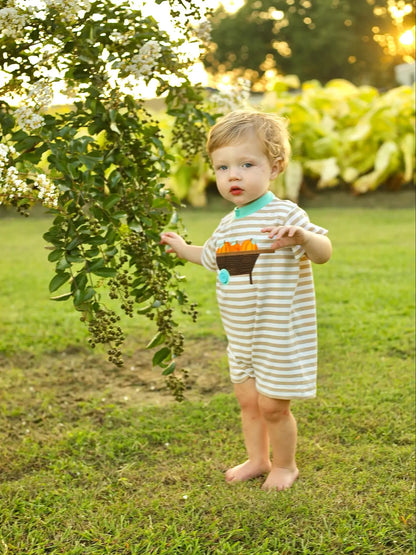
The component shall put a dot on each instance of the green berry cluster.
(120, 287)
(104, 329)
(177, 385)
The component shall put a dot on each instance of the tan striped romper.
(271, 322)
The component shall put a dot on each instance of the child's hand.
(286, 235)
(180, 247)
(175, 242)
(317, 247)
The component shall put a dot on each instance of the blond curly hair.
(270, 129)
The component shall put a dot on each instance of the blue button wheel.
(224, 276)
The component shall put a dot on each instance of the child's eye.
(221, 168)
(247, 165)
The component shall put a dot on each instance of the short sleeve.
(208, 257)
(300, 218)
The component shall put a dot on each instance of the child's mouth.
(236, 191)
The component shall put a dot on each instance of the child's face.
(243, 171)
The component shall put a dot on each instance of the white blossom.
(203, 31)
(27, 118)
(116, 36)
(143, 63)
(5, 152)
(68, 9)
(12, 21)
(38, 98)
(13, 187)
(41, 94)
(47, 192)
(233, 97)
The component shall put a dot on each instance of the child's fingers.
(166, 236)
(276, 232)
(272, 231)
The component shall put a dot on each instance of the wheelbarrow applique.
(237, 259)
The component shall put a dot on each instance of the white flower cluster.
(233, 97)
(41, 94)
(116, 36)
(13, 188)
(5, 152)
(143, 63)
(27, 119)
(12, 21)
(203, 31)
(47, 192)
(68, 9)
(39, 97)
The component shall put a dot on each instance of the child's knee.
(274, 410)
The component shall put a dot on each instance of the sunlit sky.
(161, 13)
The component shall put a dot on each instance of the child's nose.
(234, 173)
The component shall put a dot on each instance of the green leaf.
(158, 339)
(6, 122)
(89, 293)
(27, 143)
(134, 226)
(95, 264)
(144, 309)
(63, 297)
(58, 280)
(170, 369)
(161, 355)
(80, 281)
(81, 296)
(74, 243)
(105, 272)
(74, 257)
(55, 255)
(110, 201)
(113, 127)
(62, 265)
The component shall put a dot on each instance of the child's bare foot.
(246, 471)
(280, 479)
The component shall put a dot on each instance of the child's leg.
(255, 435)
(282, 429)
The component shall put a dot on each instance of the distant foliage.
(346, 135)
(100, 166)
(341, 135)
(358, 40)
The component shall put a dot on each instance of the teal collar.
(248, 209)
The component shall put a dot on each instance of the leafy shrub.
(343, 134)
(99, 167)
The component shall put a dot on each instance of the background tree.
(99, 167)
(317, 39)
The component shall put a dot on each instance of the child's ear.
(276, 169)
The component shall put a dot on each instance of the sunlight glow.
(232, 6)
(398, 10)
(408, 37)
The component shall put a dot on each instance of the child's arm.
(317, 247)
(180, 247)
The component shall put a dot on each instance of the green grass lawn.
(87, 473)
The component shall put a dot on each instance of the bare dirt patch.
(78, 375)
